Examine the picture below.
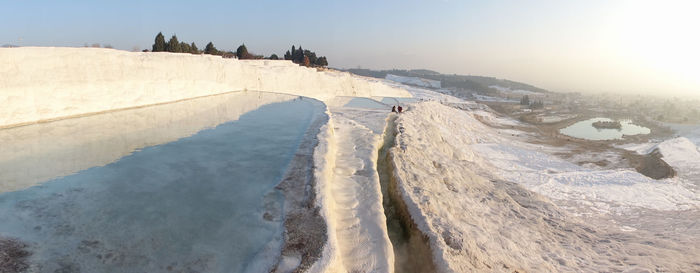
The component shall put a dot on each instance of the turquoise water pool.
(205, 202)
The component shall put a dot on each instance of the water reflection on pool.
(184, 187)
(585, 130)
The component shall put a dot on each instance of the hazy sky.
(597, 45)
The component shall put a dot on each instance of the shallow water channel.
(412, 252)
(182, 187)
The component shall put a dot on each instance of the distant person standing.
(393, 109)
(400, 108)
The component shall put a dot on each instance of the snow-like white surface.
(500, 157)
(454, 174)
(687, 162)
(640, 148)
(605, 190)
(360, 222)
(494, 119)
(414, 81)
(324, 163)
(423, 94)
(682, 153)
(350, 193)
(515, 91)
(324, 166)
(48, 83)
(684, 156)
(492, 99)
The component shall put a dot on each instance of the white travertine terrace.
(45, 83)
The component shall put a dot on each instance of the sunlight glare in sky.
(664, 36)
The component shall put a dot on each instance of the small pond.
(585, 130)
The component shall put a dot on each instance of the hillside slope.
(479, 84)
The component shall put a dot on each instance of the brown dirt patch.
(652, 165)
(305, 229)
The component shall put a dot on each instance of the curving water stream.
(412, 251)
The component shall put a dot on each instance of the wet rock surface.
(13, 255)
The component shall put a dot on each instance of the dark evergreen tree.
(311, 55)
(194, 49)
(295, 54)
(159, 44)
(184, 47)
(210, 49)
(173, 45)
(298, 55)
(274, 57)
(242, 52)
(322, 61)
(537, 105)
(525, 100)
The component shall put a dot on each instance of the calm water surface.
(585, 130)
(203, 202)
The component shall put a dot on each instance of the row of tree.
(173, 45)
(242, 54)
(305, 57)
(525, 100)
(299, 56)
